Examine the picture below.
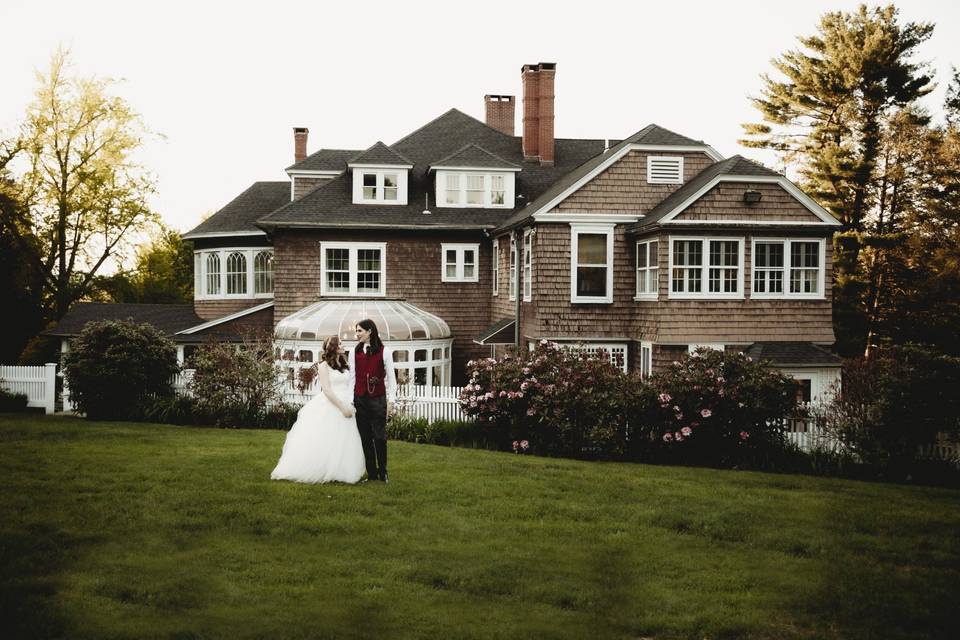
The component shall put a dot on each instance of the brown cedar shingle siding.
(725, 202)
(303, 186)
(413, 273)
(623, 186)
(213, 309)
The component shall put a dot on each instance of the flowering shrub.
(723, 408)
(561, 401)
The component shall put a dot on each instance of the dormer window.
(379, 186)
(665, 169)
(468, 189)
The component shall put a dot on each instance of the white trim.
(249, 253)
(704, 293)
(646, 372)
(222, 234)
(752, 223)
(821, 293)
(647, 295)
(495, 276)
(476, 169)
(600, 168)
(460, 248)
(814, 208)
(383, 167)
(380, 188)
(576, 344)
(232, 316)
(352, 248)
(600, 218)
(462, 175)
(716, 346)
(527, 277)
(677, 159)
(314, 173)
(597, 229)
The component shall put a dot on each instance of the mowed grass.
(121, 530)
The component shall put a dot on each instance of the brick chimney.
(538, 116)
(299, 143)
(501, 111)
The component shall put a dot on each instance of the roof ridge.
(467, 146)
(317, 152)
(375, 145)
(444, 114)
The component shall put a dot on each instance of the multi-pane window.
(496, 266)
(213, 274)
(370, 186)
(233, 273)
(460, 262)
(591, 267)
(236, 274)
(528, 265)
(263, 272)
(474, 189)
(353, 268)
(390, 186)
(512, 277)
(647, 269)
(706, 267)
(379, 186)
(646, 360)
(786, 268)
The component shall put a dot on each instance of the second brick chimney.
(501, 112)
(538, 99)
(299, 143)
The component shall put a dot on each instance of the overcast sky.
(225, 82)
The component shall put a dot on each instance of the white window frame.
(528, 265)
(705, 267)
(646, 366)
(462, 177)
(380, 172)
(787, 268)
(512, 278)
(654, 180)
(716, 346)
(496, 267)
(200, 276)
(642, 271)
(353, 264)
(460, 249)
(592, 347)
(576, 230)
(271, 278)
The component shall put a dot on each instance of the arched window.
(236, 273)
(263, 272)
(213, 274)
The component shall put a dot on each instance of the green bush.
(454, 433)
(184, 410)
(12, 401)
(115, 366)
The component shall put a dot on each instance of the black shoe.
(383, 478)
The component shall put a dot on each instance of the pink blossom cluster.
(521, 446)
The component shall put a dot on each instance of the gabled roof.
(168, 318)
(472, 155)
(331, 205)
(798, 354)
(651, 135)
(239, 215)
(324, 160)
(379, 154)
(734, 167)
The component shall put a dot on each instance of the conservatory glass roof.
(396, 320)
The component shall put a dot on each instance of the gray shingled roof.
(733, 166)
(472, 155)
(783, 354)
(651, 134)
(325, 160)
(501, 332)
(168, 318)
(379, 153)
(331, 205)
(240, 213)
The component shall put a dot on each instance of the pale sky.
(225, 82)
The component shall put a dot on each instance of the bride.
(323, 445)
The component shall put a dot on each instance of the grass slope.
(117, 530)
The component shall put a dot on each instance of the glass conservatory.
(420, 341)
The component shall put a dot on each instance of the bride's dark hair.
(332, 356)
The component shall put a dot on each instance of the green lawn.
(119, 530)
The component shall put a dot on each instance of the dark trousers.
(372, 425)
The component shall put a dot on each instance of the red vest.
(371, 374)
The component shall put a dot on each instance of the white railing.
(38, 383)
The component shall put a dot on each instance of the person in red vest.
(374, 391)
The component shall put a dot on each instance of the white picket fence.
(38, 383)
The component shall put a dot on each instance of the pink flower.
(686, 431)
(741, 405)
(503, 394)
(664, 398)
(706, 413)
(678, 436)
(744, 435)
(524, 444)
(667, 437)
(694, 424)
(526, 371)
(524, 386)
(531, 411)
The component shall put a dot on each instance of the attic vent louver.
(665, 169)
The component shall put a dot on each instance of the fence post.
(49, 387)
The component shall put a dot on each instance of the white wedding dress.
(322, 445)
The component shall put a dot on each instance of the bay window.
(233, 273)
(647, 270)
(788, 268)
(352, 268)
(591, 263)
(706, 268)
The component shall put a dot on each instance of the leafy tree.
(163, 273)
(86, 196)
(114, 367)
